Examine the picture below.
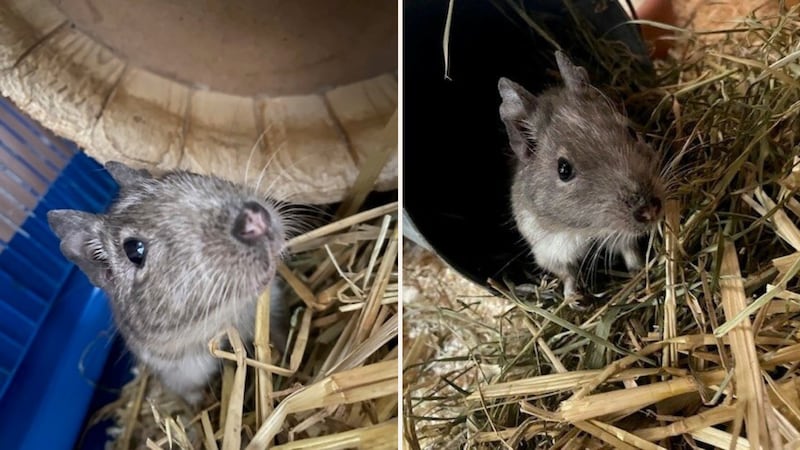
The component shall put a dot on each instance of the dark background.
(457, 163)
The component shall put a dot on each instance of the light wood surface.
(309, 146)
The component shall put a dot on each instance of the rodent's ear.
(126, 176)
(515, 111)
(79, 233)
(575, 77)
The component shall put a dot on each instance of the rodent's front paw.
(577, 301)
(573, 294)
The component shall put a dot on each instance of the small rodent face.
(174, 249)
(579, 163)
(593, 174)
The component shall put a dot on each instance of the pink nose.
(649, 212)
(251, 223)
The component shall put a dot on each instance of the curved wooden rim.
(310, 147)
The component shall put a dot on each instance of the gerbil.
(181, 257)
(582, 177)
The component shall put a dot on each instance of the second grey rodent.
(582, 178)
(181, 257)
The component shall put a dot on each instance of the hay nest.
(337, 385)
(698, 350)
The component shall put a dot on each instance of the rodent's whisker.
(268, 163)
(252, 152)
(284, 171)
(609, 248)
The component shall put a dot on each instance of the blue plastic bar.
(55, 327)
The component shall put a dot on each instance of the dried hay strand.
(699, 349)
(336, 385)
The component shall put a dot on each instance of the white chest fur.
(552, 249)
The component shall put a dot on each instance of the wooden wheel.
(307, 89)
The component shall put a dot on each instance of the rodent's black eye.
(565, 172)
(135, 251)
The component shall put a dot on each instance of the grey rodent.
(582, 177)
(181, 256)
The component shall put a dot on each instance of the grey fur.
(197, 278)
(615, 174)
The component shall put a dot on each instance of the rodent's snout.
(252, 223)
(650, 212)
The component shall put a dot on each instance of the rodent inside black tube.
(458, 163)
